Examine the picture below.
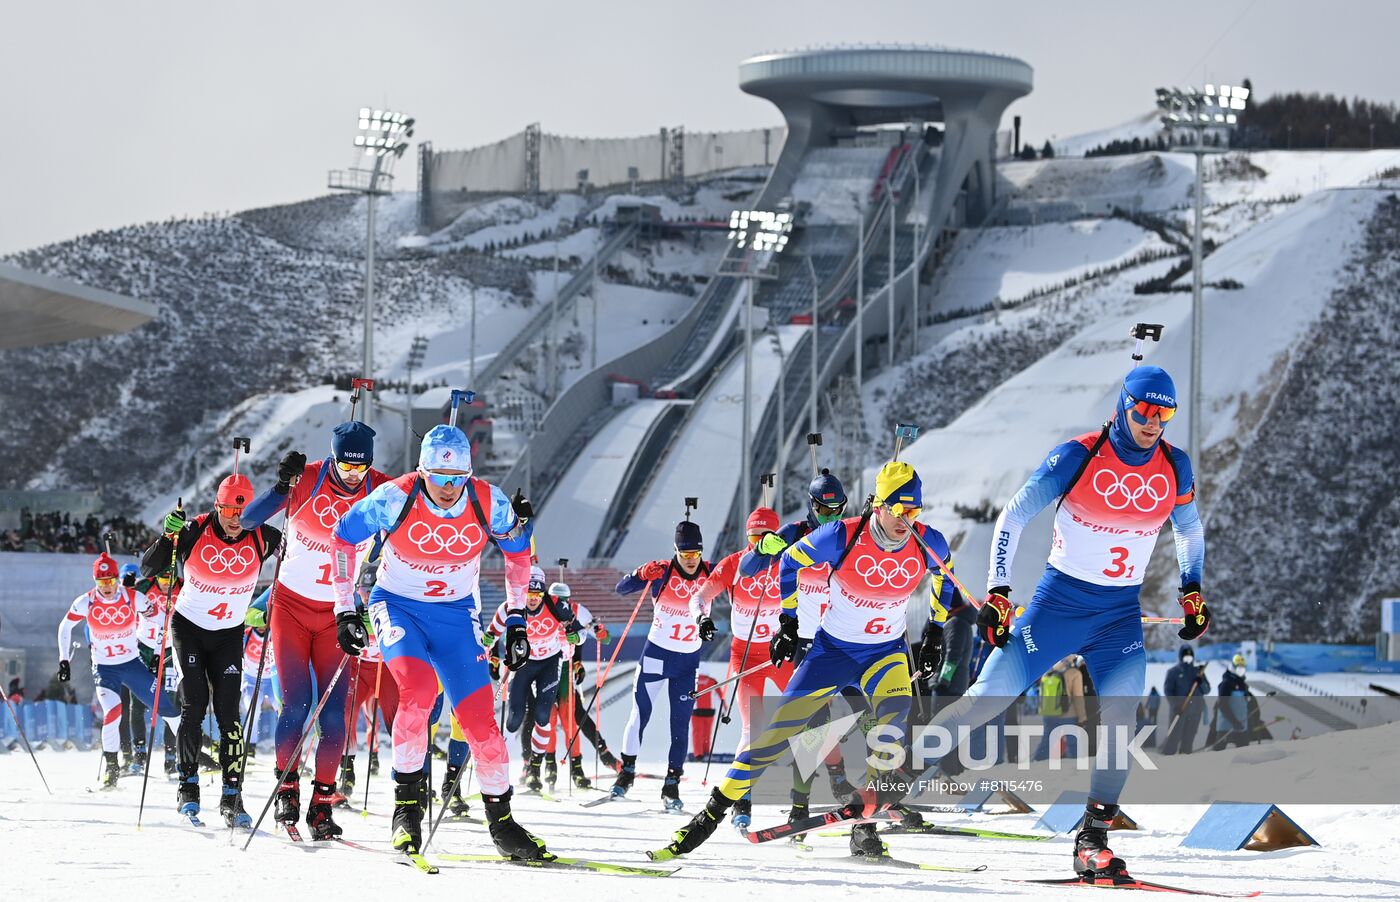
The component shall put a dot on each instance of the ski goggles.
(689, 557)
(446, 480)
(229, 510)
(106, 582)
(902, 510)
(755, 538)
(1143, 411)
(831, 511)
(347, 468)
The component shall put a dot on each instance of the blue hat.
(446, 448)
(129, 569)
(827, 491)
(353, 442)
(1143, 383)
(688, 536)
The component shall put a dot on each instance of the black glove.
(517, 644)
(524, 510)
(1194, 612)
(994, 620)
(289, 471)
(350, 632)
(707, 628)
(65, 672)
(149, 658)
(930, 658)
(129, 581)
(783, 645)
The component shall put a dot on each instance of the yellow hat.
(897, 483)
(1238, 660)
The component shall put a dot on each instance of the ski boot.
(287, 808)
(908, 817)
(187, 796)
(231, 808)
(452, 792)
(374, 763)
(532, 772)
(111, 770)
(409, 802)
(347, 775)
(671, 789)
(128, 760)
(318, 813)
(607, 759)
(576, 773)
(625, 775)
(171, 765)
(701, 827)
(743, 814)
(512, 840)
(551, 771)
(1094, 861)
(799, 811)
(840, 786)
(138, 760)
(865, 842)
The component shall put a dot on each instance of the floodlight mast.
(1217, 108)
(758, 236)
(383, 135)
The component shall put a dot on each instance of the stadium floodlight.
(1215, 109)
(760, 235)
(383, 135)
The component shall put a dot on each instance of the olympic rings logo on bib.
(760, 586)
(1120, 492)
(445, 538)
(682, 588)
(233, 561)
(897, 574)
(328, 510)
(109, 614)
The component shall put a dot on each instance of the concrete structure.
(38, 309)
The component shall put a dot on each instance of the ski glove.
(600, 632)
(771, 543)
(494, 666)
(994, 620)
(707, 628)
(256, 618)
(783, 645)
(350, 632)
(930, 658)
(174, 522)
(517, 646)
(129, 581)
(573, 633)
(289, 471)
(65, 672)
(650, 571)
(524, 510)
(578, 671)
(1194, 612)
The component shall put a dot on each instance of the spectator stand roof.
(38, 309)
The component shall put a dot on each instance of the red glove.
(995, 617)
(651, 571)
(1194, 612)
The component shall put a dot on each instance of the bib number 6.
(878, 627)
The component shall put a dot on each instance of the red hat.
(104, 567)
(234, 491)
(763, 519)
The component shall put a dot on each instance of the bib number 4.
(1120, 568)
(220, 611)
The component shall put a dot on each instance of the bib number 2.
(1120, 568)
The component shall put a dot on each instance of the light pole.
(918, 213)
(889, 283)
(860, 293)
(816, 301)
(760, 235)
(1199, 111)
(593, 345)
(383, 135)
(782, 417)
(415, 360)
(471, 366)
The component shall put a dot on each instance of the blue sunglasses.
(446, 479)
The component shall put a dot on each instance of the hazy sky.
(120, 112)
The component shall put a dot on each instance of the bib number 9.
(762, 631)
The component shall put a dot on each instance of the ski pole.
(295, 757)
(27, 747)
(160, 664)
(766, 480)
(598, 711)
(372, 740)
(621, 640)
(1163, 620)
(734, 679)
(451, 793)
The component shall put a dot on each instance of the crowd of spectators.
(63, 532)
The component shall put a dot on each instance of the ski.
(892, 862)
(938, 830)
(413, 859)
(192, 819)
(293, 833)
(809, 824)
(572, 864)
(594, 803)
(1133, 883)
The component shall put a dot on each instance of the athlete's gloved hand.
(600, 632)
(65, 672)
(994, 620)
(1194, 611)
(517, 643)
(650, 571)
(350, 632)
(930, 658)
(129, 581)
(783, 645)
(578, 671)
(488, 639)
(707, 628)
(174, 522)
(289, 471)
(256, 618)
(524, 510)
(771, 543)
(493, 664)
(148, 657)
(573, 633)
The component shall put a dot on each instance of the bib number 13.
(1120, 568)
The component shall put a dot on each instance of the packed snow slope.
(1298, 484)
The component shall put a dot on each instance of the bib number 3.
(1120, 568)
